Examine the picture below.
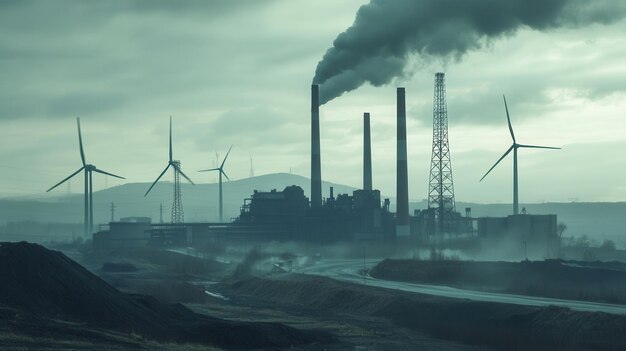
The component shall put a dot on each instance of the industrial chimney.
(316, 168)
(402, 182)
(367, 153)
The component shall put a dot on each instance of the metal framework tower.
(441, 186)
(177, 207)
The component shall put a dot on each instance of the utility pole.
(161, 213)
(112, 212)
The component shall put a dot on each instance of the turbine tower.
(220, 169)
(88, 170)
(177, 207)
(514, 148)
(441, 186)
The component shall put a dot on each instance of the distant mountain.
(606, 220)
(200, 202)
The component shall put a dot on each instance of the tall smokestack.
(367, 153)
(316, 168)
(402, 182)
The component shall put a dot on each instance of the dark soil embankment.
(118, 267)
(180, 263)
(601, 282)
(46, 284)
(503, 326)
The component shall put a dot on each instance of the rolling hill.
(598, 220)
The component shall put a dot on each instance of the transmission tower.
(441, 187)
(177, 207)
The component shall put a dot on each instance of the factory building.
(359, 216)
(535, 234)
(127, 232)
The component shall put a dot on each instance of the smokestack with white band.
(316, 168)
(367, 153)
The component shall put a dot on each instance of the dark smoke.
(385, 33)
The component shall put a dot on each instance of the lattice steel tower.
(441, 187)
(177, 207)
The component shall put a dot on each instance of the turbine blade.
(66, 179)
(508, 119)
(107, 173)
(80, 142)
(171, 139)
(184, 175)
(222, 166)
(501, 158)
(539, 147)
(208, 170)
(159, 177)
(224, 173)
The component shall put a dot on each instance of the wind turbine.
(177, 207)
(514, 148)
(220, 169)
(88, 169)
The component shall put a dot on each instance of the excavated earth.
(590, 281)
(44, 295)
(484, 324)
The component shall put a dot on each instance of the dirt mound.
(46, 283)
(601, 282)
(118, 267)
(480, 323)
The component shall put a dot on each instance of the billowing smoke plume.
(385, 33)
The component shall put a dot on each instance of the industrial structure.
(221, 172)
(514, 146)
(402, 178)
(440, 221)
(88, 170)
(367, 153)
(536, 235)
(178, 215)
(362, 216)
(441, 185)
(316, 167)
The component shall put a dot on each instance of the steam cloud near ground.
(386, 33)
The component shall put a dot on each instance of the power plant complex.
(363, 216)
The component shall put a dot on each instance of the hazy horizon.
(189, 188)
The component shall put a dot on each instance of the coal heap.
(48, 284)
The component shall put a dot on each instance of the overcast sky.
(239, 72)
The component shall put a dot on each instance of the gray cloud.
(252, 127)
(240, 75)
(81, 103)
(386, 32)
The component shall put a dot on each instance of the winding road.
(350, 271)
